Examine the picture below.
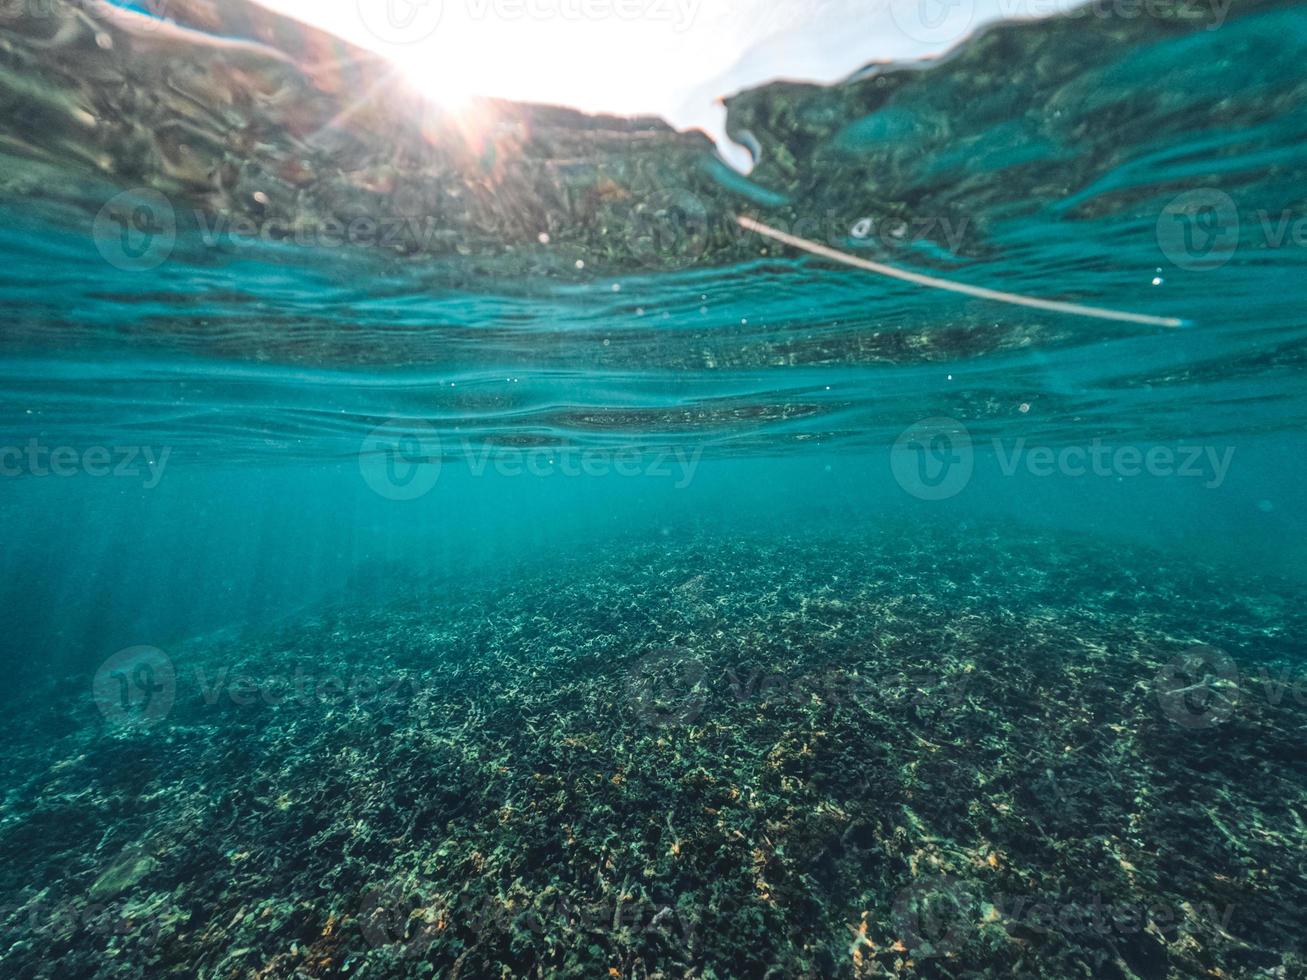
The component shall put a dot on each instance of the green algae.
(123, 875)
(937, 755)
(253, 136)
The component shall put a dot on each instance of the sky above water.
(672, 58)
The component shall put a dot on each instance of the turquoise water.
(541, 460)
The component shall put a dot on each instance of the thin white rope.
(932, 282)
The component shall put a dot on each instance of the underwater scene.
(859, 533)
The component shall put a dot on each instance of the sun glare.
(669, 58)
(533, 50)
(442, 85)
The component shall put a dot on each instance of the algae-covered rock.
(263, 129)
(124, 873)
